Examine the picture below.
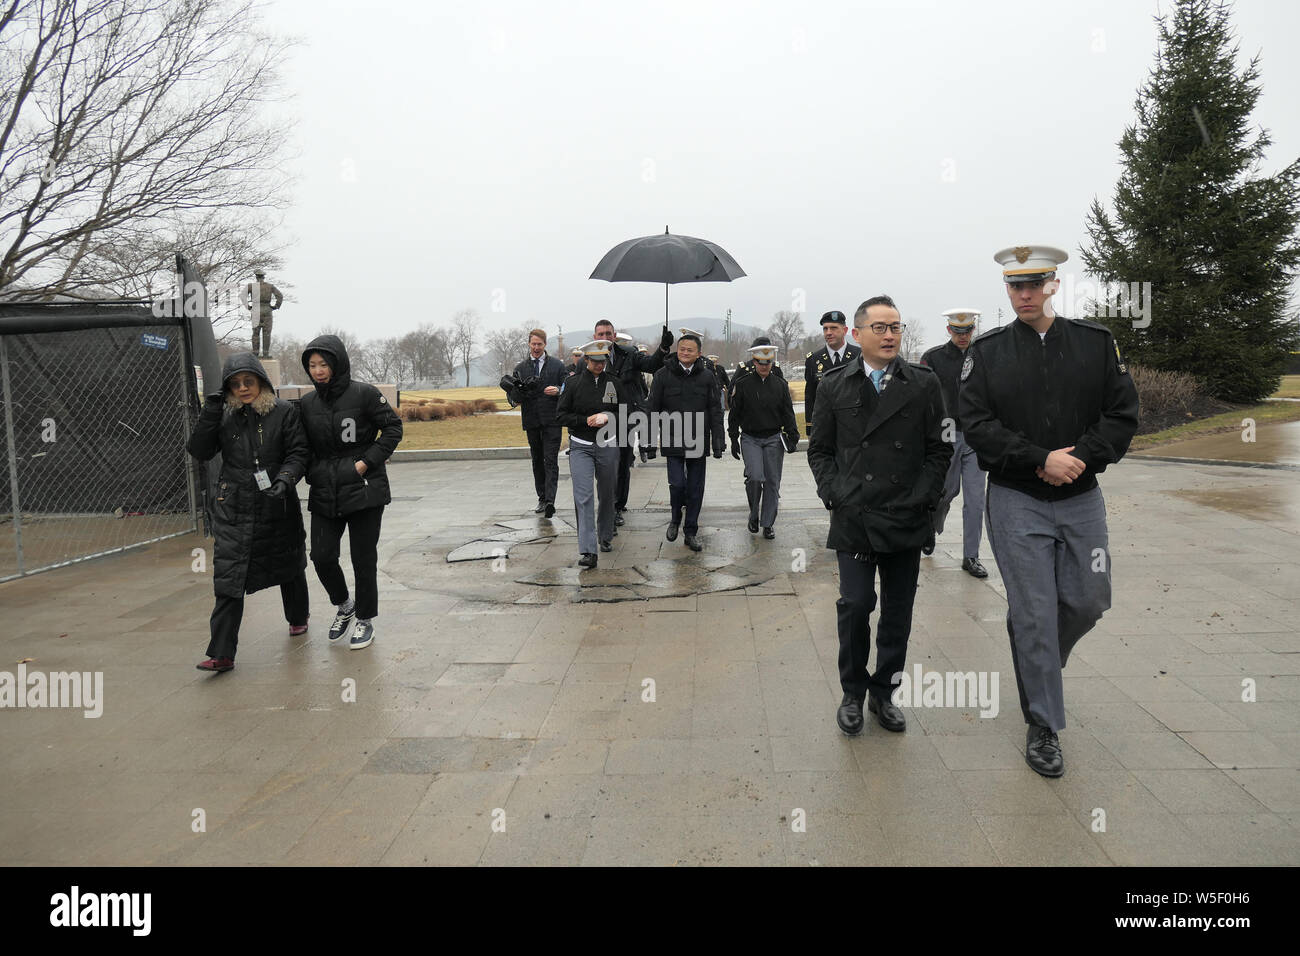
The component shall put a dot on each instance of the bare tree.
(910, 343)
(464, 330)
(786, 329)
(117, 120)
(506, 348)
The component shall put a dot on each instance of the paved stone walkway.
(489, 698)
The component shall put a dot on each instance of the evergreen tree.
(1194, 216)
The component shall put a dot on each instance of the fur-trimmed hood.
(247, 362)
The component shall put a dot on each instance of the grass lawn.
(483, 431)
(460, 395)
(1290, 387)
(1215, 424)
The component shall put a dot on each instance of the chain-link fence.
(96, 416)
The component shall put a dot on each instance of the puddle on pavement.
(1261, 503)
(1278, 443)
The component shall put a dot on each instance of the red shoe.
(217, 665)
(297, 629)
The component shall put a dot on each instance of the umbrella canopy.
(668, 259)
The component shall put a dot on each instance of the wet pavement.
(514, 710)
(1273, 443)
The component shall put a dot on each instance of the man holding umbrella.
(761, 405)
(626, 364)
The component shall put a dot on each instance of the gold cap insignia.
(1022, 253)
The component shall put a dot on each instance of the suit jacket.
(814, 367)
(537, 409)
(879, 460)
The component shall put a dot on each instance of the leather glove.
(717, 453)
(666, 342)
(278, 489)
(216, 398)
(735, 451)
(791, 443)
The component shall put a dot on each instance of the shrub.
(484, 405)
(1161, 392)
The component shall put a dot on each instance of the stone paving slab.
(519, 712)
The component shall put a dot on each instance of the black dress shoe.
(607, 546)
(849, 716)
(1043, 751)
(887, 714)
(618, 517)
(588, 560)
(769, 533)
(753, 526)
(928, 547)
(550, 510)
(973, 567)
(693, 544)
(541, 506)
(672, 532)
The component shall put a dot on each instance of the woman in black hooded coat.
(352, 431)
(257, 522)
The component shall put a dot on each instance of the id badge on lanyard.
(259, 473)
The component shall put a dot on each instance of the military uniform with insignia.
(593, 462)
(1047, 403)
(763, 409)
(964, 474)
(818, 363)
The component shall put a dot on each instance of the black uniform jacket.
(346, 422)
(879, 460)
(946, 361)
(258, 540)
(1020, 398)
(537, 408)
(627, 365)
(814, 367)
(762, 407)
(585, 395)
(695, 394)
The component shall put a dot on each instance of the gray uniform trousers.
(1054, 558)
(763, 458)
(965, 476)
(593, 465)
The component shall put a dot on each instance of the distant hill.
(709, 325)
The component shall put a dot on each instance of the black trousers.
(363, 541)
(229, 612)
(686, 490)
(625, 456)
(898, 574)
(544, 447)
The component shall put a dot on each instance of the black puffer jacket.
(346, 422)
(259, 540)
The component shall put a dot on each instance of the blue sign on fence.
(154, 341)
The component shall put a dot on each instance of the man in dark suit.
(879, 459)
(837, 351)
(541, 375)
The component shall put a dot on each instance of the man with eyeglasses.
(1047, 403)
(879, 458)
(964, 473)
(837, 351)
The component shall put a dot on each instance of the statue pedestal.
(272, 371)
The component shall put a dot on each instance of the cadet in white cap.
(964, 475)
(1047, 403)
(591, 400)
(761, 406)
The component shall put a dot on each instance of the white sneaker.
(363, 635)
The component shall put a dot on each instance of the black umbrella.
(667, 259)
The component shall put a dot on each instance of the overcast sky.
(486, 155)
